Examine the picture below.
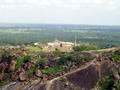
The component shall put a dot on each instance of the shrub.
(22, 60)
(85, 48)
(6, 80)
(26, 59)
(54, 69)
(117, 84)
(41, 63)
(44, 58)
(6, 56)
(108, 82)
(19, 62)
(31, 71)
(62, 61)
(116, 56)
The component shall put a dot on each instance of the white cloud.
(61, 3)
(88, 1)
(112, 5)
(9, 1)
(7, 6)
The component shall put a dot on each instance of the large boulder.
(23, 76)
(13, 76)
(24, 53)
(116, 75)
(11, 66)
(28, 65)
(2, 67)
(38, 73)
(1, 76)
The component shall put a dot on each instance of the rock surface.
(38, 73)
(83, 78)
(79, 77)
(2, 67)
(116, 75)
(11, 66)
(1, 77)
(22, 76)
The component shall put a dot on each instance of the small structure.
(36, 44)
(58, 43)
(51, 46)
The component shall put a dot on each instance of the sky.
(95, 12)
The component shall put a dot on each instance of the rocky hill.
(23, 70)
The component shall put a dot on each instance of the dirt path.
(93, 52)
(50, 83)
(98, 52)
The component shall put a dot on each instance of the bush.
(108, 82)
(6, 56)
(54, 69)
(20, 62)
(85, 48)
(24, 59)
(116, 56)
(62, 61)
(31, 71)
(41, 63)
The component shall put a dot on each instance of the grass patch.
(1, 51)
(108, 82)
(115, 56)
(54, 69)
(6, 56)
(25, 60)
(63, 60)
(85, 48)
(6, 80)
(34, 49)
(44, 58)
(31, 71)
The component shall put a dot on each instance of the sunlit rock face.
(84, 78)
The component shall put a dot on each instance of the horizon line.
(57, 24)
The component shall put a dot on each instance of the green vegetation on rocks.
(6, 56)
(6, 80)
(116, 56)
(54, 69)
(25, 59)
(108, 83)
(85, 48)
(31, 71)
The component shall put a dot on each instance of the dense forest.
(19, 34)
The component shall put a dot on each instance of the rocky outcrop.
(2, 67)
(28, 65)
(83, 78)
(1, 76)
(116, 76)
(23, 76)
(13, 76)
(78, 77)
(38, 73)
(11, 66)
